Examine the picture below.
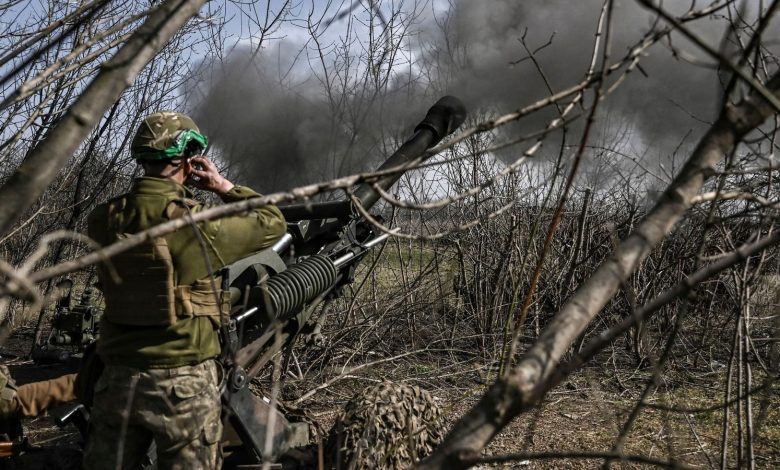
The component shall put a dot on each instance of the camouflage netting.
(388, 426)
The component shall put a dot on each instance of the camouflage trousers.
(178, 409)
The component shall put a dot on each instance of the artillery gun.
(279, 289)
(73, 327)
(275, 293)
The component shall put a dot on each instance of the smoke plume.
(657, 104)
(274, 118)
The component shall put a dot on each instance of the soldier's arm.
(238, 236)
(37, 397)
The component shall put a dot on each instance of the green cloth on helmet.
(158, 132)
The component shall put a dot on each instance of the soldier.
(33, 398)
(159, 334)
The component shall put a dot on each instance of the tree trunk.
(529, 381)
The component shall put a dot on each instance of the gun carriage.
(275, 292)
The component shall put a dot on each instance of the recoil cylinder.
(299, 284)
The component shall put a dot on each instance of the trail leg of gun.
(250, 417)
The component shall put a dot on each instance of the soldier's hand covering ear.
(208, 177)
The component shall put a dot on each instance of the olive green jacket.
(189, 340)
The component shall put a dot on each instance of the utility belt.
(141, 290)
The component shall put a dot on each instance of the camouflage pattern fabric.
(158, 131)
(388, 426)
(9, 402)
(177, 408)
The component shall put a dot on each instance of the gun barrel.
(442, 119)
(317, 210)
(445, 116)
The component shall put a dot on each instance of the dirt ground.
(584, 414)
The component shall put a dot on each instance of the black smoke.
(280, 126)
(657, 102)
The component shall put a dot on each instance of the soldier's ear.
(179, 164)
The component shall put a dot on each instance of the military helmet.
(166, 135)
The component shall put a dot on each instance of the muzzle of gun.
(442, 119)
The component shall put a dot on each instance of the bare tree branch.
(607, 456)
(528, 382)
(44, 162)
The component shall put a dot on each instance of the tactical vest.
(140, 287)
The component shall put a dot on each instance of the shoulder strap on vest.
(179, 207)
